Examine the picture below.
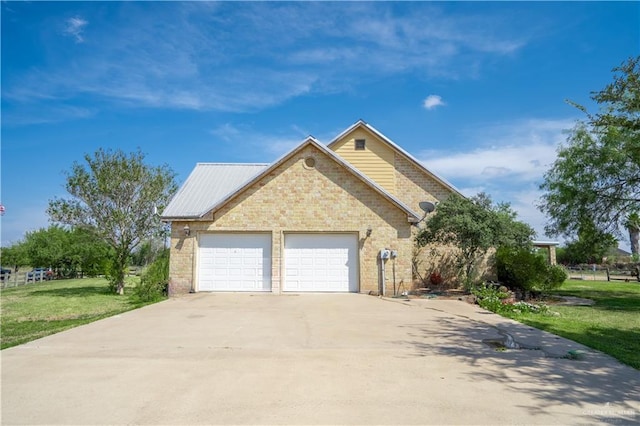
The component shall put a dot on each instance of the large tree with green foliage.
(115, 195)
(596, 177)
(67, 251)
(14, 256)
(590, 246)
(474, 225)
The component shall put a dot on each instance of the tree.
(115, 195)
(15, 255)
(66, 251)
(596, 177)
(591, 246)
(474, 226)
(46, 247)
(86, 253)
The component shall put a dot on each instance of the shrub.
(495, 300)
(489, 297)
(554, 278)
(521, 270)
(154, 281)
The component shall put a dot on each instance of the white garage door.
(234, 262)
(321, 262)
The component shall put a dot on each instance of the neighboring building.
(315, 220)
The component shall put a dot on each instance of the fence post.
(608, 276)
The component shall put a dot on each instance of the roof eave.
(175, 218)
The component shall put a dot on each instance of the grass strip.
(611, 325)
(37, 310)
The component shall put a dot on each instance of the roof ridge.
(205, 163)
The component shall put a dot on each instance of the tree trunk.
(634, 238)
(119, 268)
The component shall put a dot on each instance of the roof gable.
(362, 125)
(369, 154)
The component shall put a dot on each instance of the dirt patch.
(572, 301)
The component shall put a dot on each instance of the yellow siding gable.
(376, 161)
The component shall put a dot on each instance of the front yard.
(611, 325)
(36, 310)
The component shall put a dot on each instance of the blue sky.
(474, 90)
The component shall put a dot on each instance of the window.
(360, 144)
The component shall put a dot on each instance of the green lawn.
(612, 325)
(36, 310)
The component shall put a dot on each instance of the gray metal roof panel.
(207, 185)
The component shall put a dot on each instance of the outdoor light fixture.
(369, 231)
(187, 230)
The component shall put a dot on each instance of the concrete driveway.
(310, 359)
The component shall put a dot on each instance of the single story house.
(339, 217)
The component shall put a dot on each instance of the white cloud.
(509, 163)
(433, 101)
(55, 114)
(180, 55)
(75, 28)
(519, 151)
(520, 162)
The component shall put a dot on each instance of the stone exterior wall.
(444, 261)
(297, 198)
(413, 185)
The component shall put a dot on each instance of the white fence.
(602, 273)
(19, 278)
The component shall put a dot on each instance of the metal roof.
(207, 185)
(545, 243)
(211, 185)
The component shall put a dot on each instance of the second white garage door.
(321, 262)
(234, 262)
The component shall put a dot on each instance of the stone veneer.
(414, 185)
(296, 198)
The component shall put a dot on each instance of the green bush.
(154, 281)
(524, 271)
(554, 278)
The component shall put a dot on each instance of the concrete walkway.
(310, 359)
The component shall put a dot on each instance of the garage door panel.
(321, 262)
(234, 262)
